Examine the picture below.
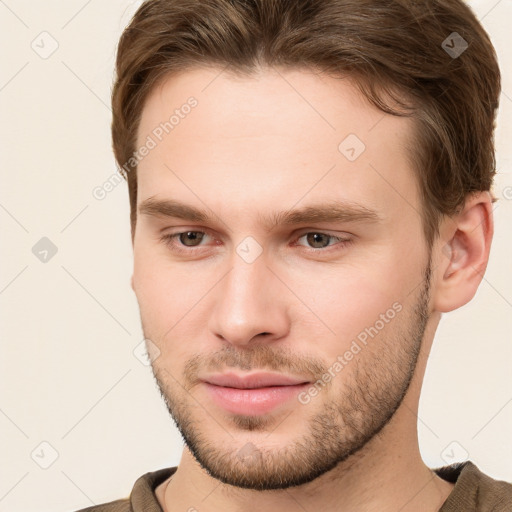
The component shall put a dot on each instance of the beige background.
(69, 377)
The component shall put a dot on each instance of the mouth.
(254, 394)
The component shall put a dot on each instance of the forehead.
(271, 101)
(279, 135)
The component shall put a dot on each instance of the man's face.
(338, 302)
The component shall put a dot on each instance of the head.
(309, 187)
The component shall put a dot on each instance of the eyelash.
(169, 241)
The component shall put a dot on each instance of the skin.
(250, 148)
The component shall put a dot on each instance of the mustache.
(258, 357)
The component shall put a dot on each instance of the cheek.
(167, 312)
(170, 295)
(348, 299)
(157, 289)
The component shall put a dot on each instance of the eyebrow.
(331, 211)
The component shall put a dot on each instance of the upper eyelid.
(296, 232)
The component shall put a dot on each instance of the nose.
(249, 303)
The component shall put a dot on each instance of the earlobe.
(463, 253)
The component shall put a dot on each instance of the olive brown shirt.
(473, 492)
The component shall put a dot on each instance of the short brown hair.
(397, 51)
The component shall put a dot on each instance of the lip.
(253, 380)
(252, 395)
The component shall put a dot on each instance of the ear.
(463, 252)
(131, 283)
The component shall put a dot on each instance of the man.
(310, 190)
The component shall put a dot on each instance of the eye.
(318, 240)
(184, 240)
(190, 238)
(187, 242)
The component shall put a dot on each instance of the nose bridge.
(243, 291)
(247, 303)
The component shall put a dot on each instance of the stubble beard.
(376, 382)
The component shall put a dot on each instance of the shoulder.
(122, 505)
(142, 497)
(474, 490)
